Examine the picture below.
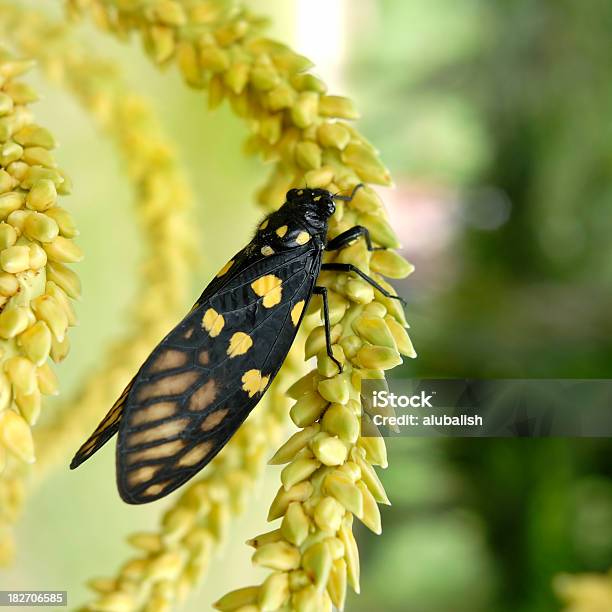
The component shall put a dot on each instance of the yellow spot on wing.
(239, 344)
(142, 474)
(154, 412)
(213, 322)
(302, 238)
(264, 225)
(267, 250)
(253, 382)
(175, 384)
(204, 396)
(161, 451)
(296, 312)
(270, 287)
(156, 488)
(281, 231)
(225, 268)
(168, 359)
(195, 455)
(213, 419)
(164, 430)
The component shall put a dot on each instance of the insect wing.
(204, 378)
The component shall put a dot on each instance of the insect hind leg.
(322, 291)
(347, 267)
(348, 236)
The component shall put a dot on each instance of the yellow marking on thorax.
(296, 312)
(302, 238)
(225, 268)
(270, 288)
(239, 344)
(281, 231)
(254, 382)
(213, 322)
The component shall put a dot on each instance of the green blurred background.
(496, 121)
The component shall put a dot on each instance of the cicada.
(204, 378)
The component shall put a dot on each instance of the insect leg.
(349, 198)
(346, 267)
(346, 237)
(322, 291)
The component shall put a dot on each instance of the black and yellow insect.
(204, 378)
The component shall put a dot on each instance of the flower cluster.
(329, 478)
(36, 284)
(162, 201)
(585, 592)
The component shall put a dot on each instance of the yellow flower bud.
(333, 135)
(351, 554)
(64, 221)
(47, 380)
(304, 110)
(36, 342)
(294, 444)
(29, 406)
(338, 485)
(9, 202)
(340, 421)
(335, 389)
(235, 600)
(16, 436)
(401, 337)
(308, 155)
(378, 357)
(63, 250)
(328, 514)
(300, 492)
(37, 156)
(336, 587)
(278, 556)
(297, 471)
(22, 374)
(39, 226)
(295, 525)
(307, 409)
(374, 330)
(329, 450)
(14, 320)
(35, 136)
(15, 259)
(273, 592)
(48, 310)
(65, 278)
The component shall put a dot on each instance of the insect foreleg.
(346, 237)
(346, 267)
(322, 291)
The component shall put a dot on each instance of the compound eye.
(292, 194)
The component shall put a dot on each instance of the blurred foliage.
(504, 107)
